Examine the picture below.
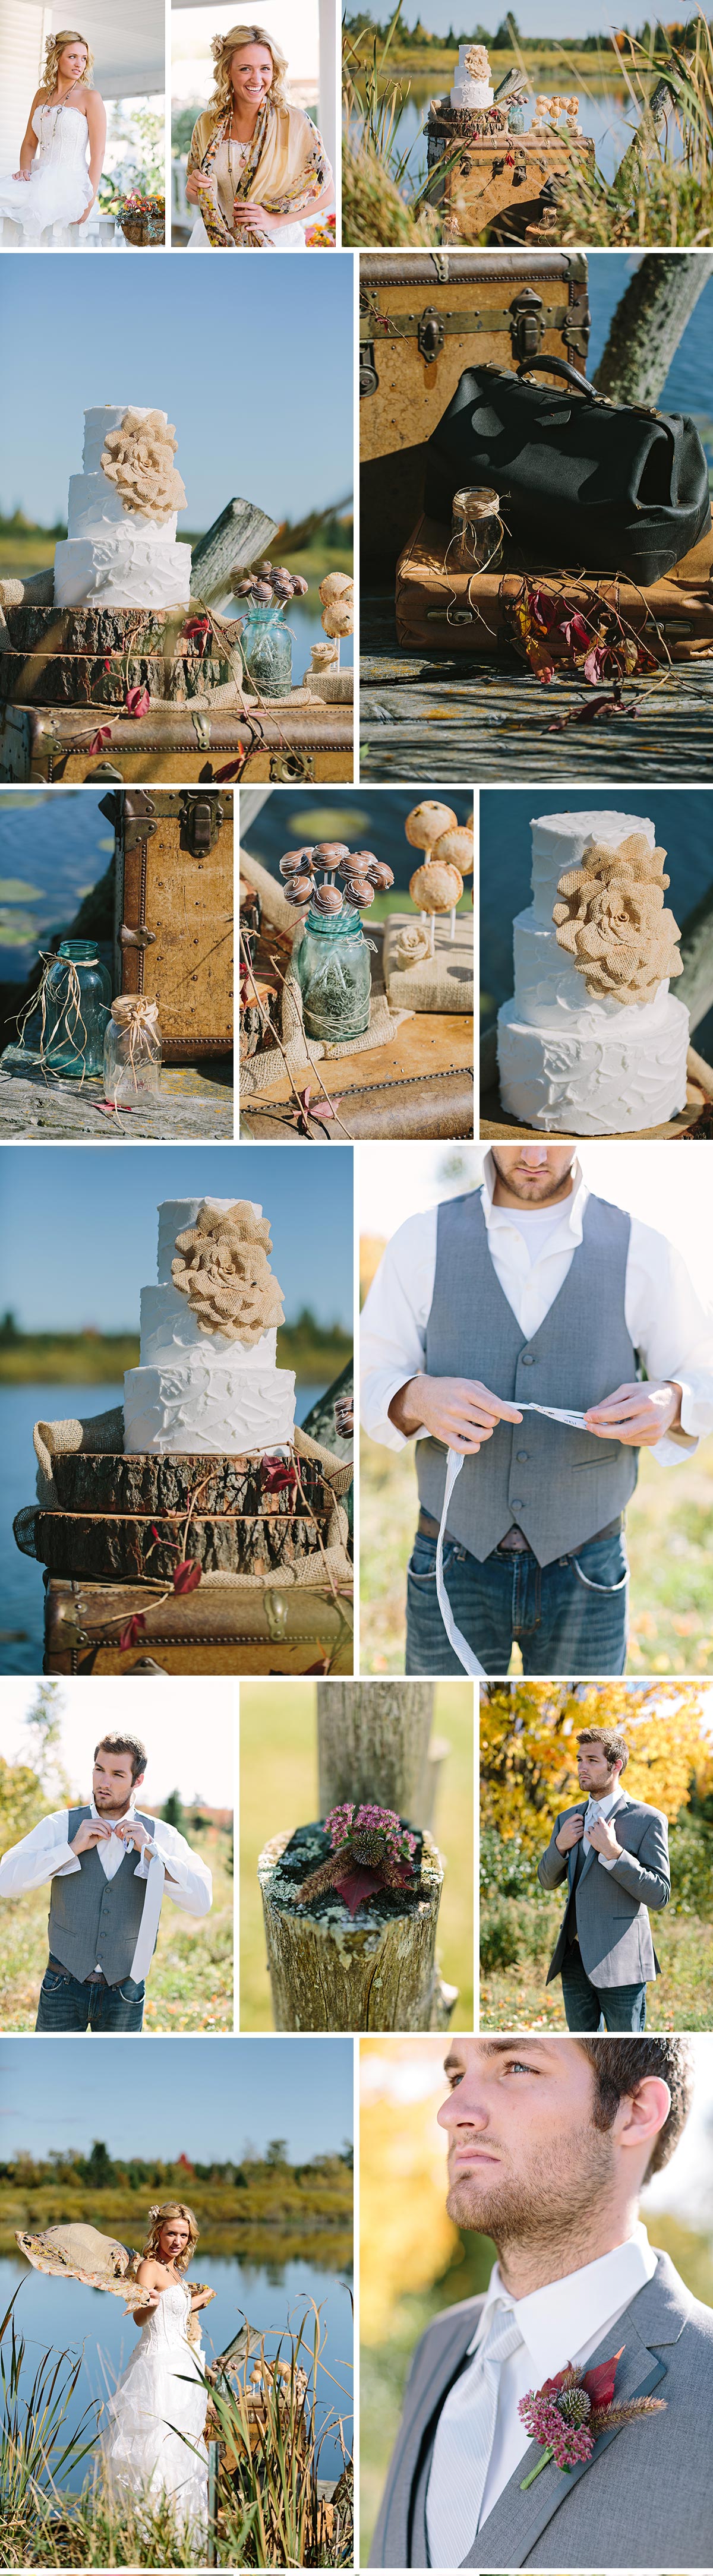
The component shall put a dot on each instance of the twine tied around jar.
(472, 507)
(140, 1018)
(38, 1002)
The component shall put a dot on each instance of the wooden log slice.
(328, 1971)
(94, 630)
(126, 1548)
(144, 1482)
(79, 680)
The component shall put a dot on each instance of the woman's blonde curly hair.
(157, 2216)
(224, 47)
(55, 46)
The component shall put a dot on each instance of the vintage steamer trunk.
(441, 611)
(173, 921)
(424, 317)
(208, 1631)
(300, 745)
(498, 180)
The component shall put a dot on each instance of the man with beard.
(108, 1865)
(525, 1300)
(612, 1853)
(549, 2143)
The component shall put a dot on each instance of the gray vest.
(94, 1922)
(560, 1486)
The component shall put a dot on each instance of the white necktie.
(591, 1818)
(463, 2444)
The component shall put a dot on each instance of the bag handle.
(560, 367)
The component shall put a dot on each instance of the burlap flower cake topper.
(612, 922)
(223, 1269)
(476, 62)
(138, 458)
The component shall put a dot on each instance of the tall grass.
(267, 2502)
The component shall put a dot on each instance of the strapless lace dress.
(158, 2399)
(59, 186)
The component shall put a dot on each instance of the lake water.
(21, 1578)
(67, 2316)
(606, 111)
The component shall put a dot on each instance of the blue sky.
(201, 2098)
(78, 1225)
(251, 358)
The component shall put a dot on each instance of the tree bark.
(649, 323)
(373, 1743)
(355, 1975)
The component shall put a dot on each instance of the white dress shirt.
(664, 1315)
(606, 1807)
(565, 2321)
(47, 1853)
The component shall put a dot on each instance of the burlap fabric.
(222, 1268)
(440, 983)
(260, 1071)
(138, 459)
(105, 1432)
(612, 921)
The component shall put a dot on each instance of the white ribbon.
(576, 1421)
(461, 1648)
(149, 1924)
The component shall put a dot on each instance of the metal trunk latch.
(201, 819)
(527, 328)
(431, 334)
(368, 378)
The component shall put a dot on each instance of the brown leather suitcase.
(212, 1630)
(173, 922)
(419, 1105)
(424, 317)
(674, 618)
(296, 748)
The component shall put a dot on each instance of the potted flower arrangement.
(143, 220)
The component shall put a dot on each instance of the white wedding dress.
(159, 2397)
(59, 186)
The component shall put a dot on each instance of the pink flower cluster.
(567, 2443)
(348, 1819)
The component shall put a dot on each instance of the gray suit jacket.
(612, 1921)
(642, 2500)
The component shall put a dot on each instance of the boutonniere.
(567, 2414)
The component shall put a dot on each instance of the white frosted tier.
(205, 1406)
(96, 509)
(121, 572)
(103, 417)
(559, 841)
(551, 994)
(174, 1217)
(622, 1080)
(169, 1328)
(470, 93)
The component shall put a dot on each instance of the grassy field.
(191, 1981)
(27, 550)
(669, 1534)
(682, 1998)
(59, 1359)
(278, 1788)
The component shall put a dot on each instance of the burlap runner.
(260, 1071)
(329, 1563)
(440, 983)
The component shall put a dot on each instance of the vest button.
(527, 1359)
(522, 1456)
(516, 1503)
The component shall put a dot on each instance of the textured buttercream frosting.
(113, 557)
(198, 1391)
(471, 88)
(570, 1061)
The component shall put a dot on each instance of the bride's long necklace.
(61, 102)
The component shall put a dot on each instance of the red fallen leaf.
(232, 768)
(594, 707)
(600, 2383)
(595, 664)
(132, 1630)
(155, 1534)
(100, 738)
(196, 626)
(278, 1476)
(187, 1576)
(319, 1108)
(546, 611)
(107, 661)
(574, 630)
(137, 702)
(357, 1885)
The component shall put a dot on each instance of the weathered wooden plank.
(239, 536)
(462, 759)
(29, 1106)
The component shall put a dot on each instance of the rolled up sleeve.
(392, 1337)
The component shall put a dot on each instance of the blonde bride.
(66, 125)
(155, 2447)
(255, 162)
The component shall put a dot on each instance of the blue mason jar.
(267, 651)
(332, 963)
(76, 1000)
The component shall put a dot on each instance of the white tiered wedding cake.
(121, 550)
(593, 1043)
(471, 84)
(207, 1379)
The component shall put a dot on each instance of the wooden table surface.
(439, 717)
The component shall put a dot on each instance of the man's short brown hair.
(125, 1744)
(622, 2064)
(613, 1743)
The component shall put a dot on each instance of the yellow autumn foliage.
(22, 1802)
(528, 1747)
(406, 2239)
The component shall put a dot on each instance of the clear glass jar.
(132, 1052)
(267, 651)
(476, 530)
(65, 1031)
(332, 962)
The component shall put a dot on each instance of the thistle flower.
(567, 2414)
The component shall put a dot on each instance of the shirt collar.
(114, 1820)
(558, 2320)
(606, 1805)
(502, 1220)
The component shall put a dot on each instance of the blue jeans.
(569, 1617)
(66, 2004)
(587, 2006)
